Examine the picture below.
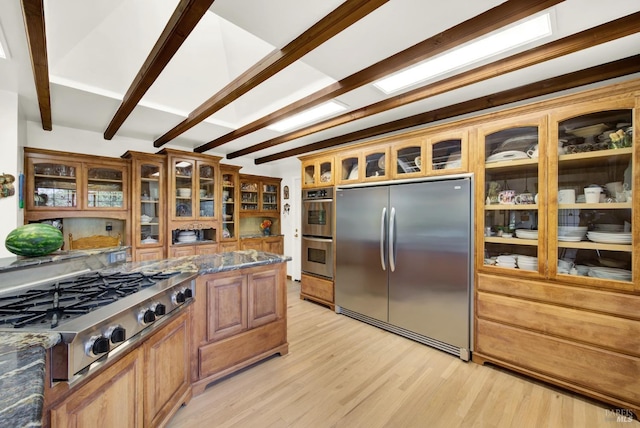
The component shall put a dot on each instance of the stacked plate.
(610, 273)
(526, 234)
(187, 236)
(527, 262)
(609, 227)
(506, 261)
(571, 233)
(610, 237)
(508, 155)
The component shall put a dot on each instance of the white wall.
(10, 160)
(288, 170)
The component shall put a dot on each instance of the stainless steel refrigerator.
(403, 259)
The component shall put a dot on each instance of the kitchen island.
(26, 354)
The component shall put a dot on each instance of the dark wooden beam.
(184, 19)
(587, 76)
(504, 14)
(600, 34)
(342, 17)
(33, 14)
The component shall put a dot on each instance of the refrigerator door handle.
(383, 220)
(392, 240)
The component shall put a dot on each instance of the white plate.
(526, 234)
(508, 155)
(610, 273)
(570, 238)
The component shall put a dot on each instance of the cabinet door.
(309, 175)
(376, 163)
(447, 153)
(149, 254)
(53, 184)
(226, 306)
(273, 245)
(592, 217)
(265, 299)
(251, 244)
(228, 246)
(182, 250)
(348, 169)
(511, 222)
(206, 190)
(202, 250)
(229, 212)
(182, 188)
(249, 201)
(406, 158)
(106, 187)
(148, 204)
(166, 354)
(270, 196)
(114, 398)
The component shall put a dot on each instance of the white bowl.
(184, 192)
(145, 218)
(588, 131)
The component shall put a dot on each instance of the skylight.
(500, 41)
(4, 52)
(308, 116)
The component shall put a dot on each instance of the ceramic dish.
(508, 155)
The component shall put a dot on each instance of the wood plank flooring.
(343, 373)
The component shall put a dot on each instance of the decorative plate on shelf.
(508, 155)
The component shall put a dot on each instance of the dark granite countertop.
(22, 355)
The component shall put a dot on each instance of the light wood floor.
(343, 373)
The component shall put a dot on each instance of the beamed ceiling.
(212, 75)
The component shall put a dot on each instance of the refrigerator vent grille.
(458, 352)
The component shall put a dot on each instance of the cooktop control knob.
(178, 297)
(146, 316)
(116, 334)
(160, 309)
(96, 345)
(188, 293)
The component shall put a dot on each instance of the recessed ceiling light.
(308, 116)
(495, 43)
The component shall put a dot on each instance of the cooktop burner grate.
(52, 304)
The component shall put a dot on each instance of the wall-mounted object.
(6, 180)
(285, 192)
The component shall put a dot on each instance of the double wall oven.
(317, 232)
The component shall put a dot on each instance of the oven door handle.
(383, 220)
(307, 201)
(317, 239)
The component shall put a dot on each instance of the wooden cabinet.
(259, 196)
(511, 230)
(348, 169)
(318, 172)
(229, 205)
(148, 205)
(167, 382)
(564, 307)
(269, 244)
(143, 388)
(239, 318)
(61, 184)
(192, 191)
(114, 397)
(447, 152)
(406, 158)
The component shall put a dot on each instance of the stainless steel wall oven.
(317, 231)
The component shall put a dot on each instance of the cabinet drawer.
(584, 367)
(316, 287)
(604, 331)
(618, 304)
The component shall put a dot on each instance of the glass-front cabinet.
(249, 198)
(447, 153)
(270, 196)
(259, 195)
(147, 205)
(318, 172)
(407, 157)
(55, 184)
(347, 167)
(511, 195)
(591, 183)
(230, 225)
(376, 163)
(106, 186)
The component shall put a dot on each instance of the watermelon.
(35, 239)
